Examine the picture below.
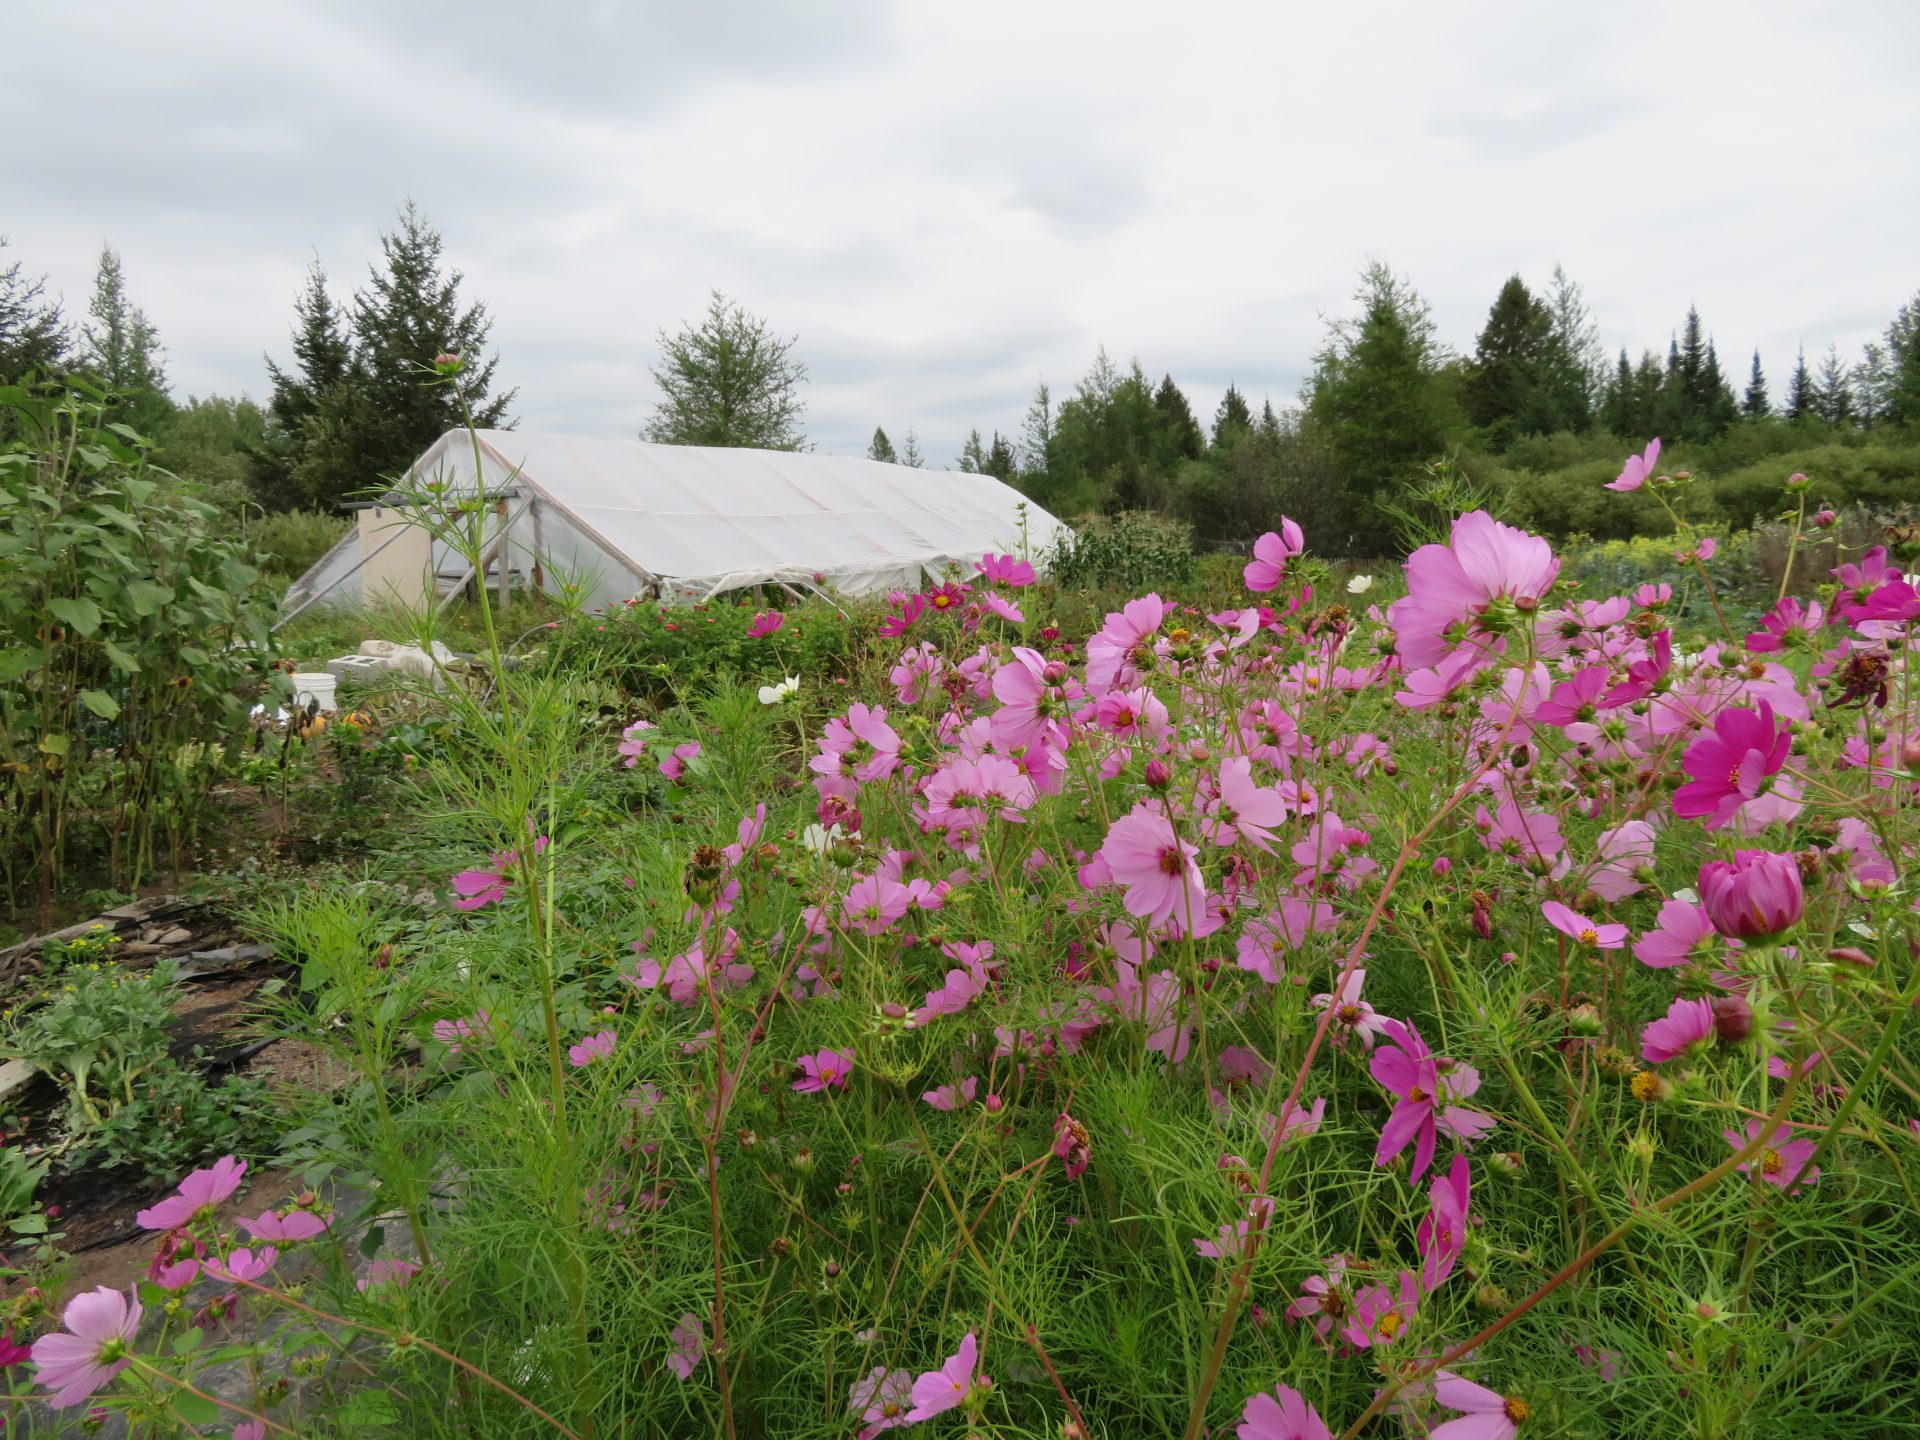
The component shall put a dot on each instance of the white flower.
(777, 694)
(820, 839)
(1359, 584)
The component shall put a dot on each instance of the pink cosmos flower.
(766, 623)
(1626, 853)
(1644, 676)
(1781, 1164)
(1325, 1299)
(822, 1070)
(948, 1098)
(875, 904)
(880, 1400)
(1245, 810)
(1682, 932)
(1452, 589)
(1637, 471)
(1575, 700)
(1004, 608)
(177, 1276)
(1786, 620)
(196, 1196)
(1005, 570)
(1755, 896)
(689, 1339)
(244, 1264)
(1283, 1415)
(1730, 766)
(1443, 1233)
(938, 1391)
(457, 1035)
(288, 1229)
(1271, 553)
(675, 765)
(1406, 1067)
(633, 742)
(1156, 866)
(1487, 1416)
(1114, 654)
(250, 1430)
(1379, 1316)
(1582, 931)
(385, 1271)
(477, 888)
(962, 985)
(75, 1362)
(1072, 1145)
(594, 1047)
(1687, 1023)
(1232, 1240)
(1352, 1016)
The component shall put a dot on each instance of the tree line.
(1384, 401)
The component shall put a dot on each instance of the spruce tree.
(1616, 404)
(1800, 389)
(33, 336)
(119, 345)
(1718, 408)
(973, 455)
(910, 455)
(1755, 405)
(1036, 446)
(881, 447)
(322, 354)
(1231, 419)
(1180, 437)
(1833, 390)
(1505, 391)
(1001, 462)
(1903, 364)
(385, 411)
(1872, 385)
(1576, 363)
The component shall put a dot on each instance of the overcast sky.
(947, 203)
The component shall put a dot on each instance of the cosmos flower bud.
(1732, 1019)
(1159, 777)
(1755, 896)
(1825, 519)
(1852, 957)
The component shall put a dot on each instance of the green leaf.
(148, 597)
(371, 1242)
(101, 704)
(191, 1409)
(188, 1341)
(55, 745)
(81, 615)
(15, 663)
(122, 661)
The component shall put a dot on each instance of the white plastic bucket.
(314, 687)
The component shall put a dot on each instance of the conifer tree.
(1231, 419)
(1756, 405)
(910, 455)
(728, 381)
(1799, 403)
(33, 336)
(1903, 364)
(1180, 435)
(322, 353)
(1036, 445)
(1001, 462)
(1872, 385)
(119, 345)
(881, 448)
(384, 412)
(1506, 391)
(1833, 390)
(1616, 404)
(973, 455)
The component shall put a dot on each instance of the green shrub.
(289, 543)
(1132, 551)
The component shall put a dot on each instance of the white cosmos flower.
(1359, 584)
(777, 694)
(821, 838)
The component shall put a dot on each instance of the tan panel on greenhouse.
(399, 559)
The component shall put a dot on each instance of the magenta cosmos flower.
(75, 1362)
(1780, 1164)
(196, 1196)
(1452, 588)
(881, 1400)
(1283, 1415)
(1157, 867)
(1687, 1023)
(689, 1339)
(1443, 1233)
(1487, 1415)
(765, 624)
(1405, 1066)
(1006, 570)
(1582, 931)
(1271, 552)
(824, 1070)
(938, 1391)
(594, 1047)
(1754, 896)
(1731, 766)
(1681, 933)
(1636, 472)
(1379, 1316)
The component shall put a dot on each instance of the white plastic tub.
(314, 687)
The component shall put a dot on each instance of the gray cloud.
(948, 204)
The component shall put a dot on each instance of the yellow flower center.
(1388, 1325)
(1589, 936)
(1771, 1163)
(1517, 1409)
